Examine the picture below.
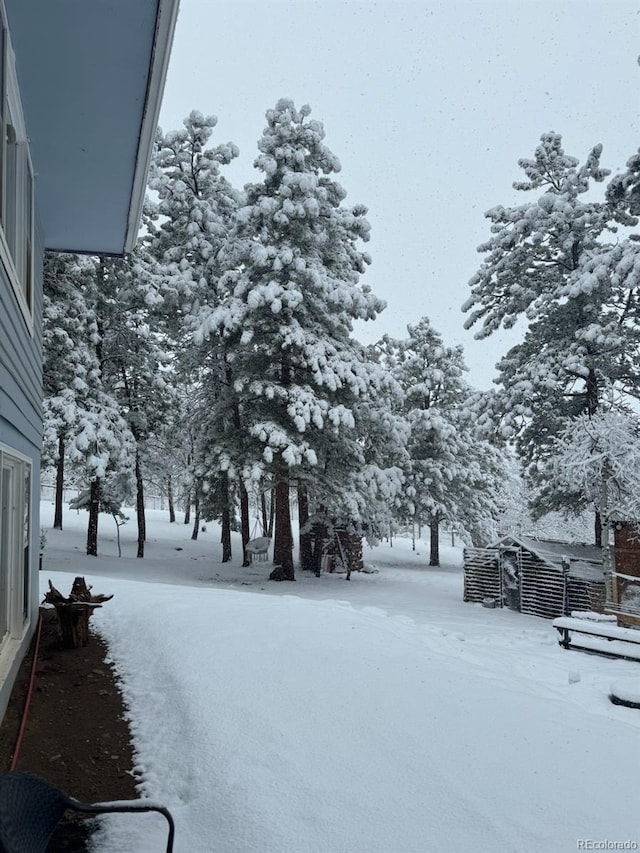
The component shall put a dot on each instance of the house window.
(16, 183)
(15, 547)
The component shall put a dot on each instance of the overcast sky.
(428, 106)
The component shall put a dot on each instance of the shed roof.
(553, 551)
(91, 77)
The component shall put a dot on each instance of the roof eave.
(165, 28)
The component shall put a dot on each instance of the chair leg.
(128, 806)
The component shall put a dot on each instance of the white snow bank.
(382, 715)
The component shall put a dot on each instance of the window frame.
(16, 184)
(16, 552)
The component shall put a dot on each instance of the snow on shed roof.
(552, 552)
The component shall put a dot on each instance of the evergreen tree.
(68, 358)
(535, 247)
(188, 230)
(453, 474)
(292, 291)
(549, 263)
(82, 417)
(188, 224)
(135, 364)
(168, 452)
(599, 455)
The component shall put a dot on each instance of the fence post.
(566, 565)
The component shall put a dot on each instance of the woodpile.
(345, 549)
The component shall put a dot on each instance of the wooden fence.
(536, 587)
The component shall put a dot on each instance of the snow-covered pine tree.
(188, 228)
(169, 450)
(453, 474)
(536, 246)
(431, 376)
(477, 489)
(623, 192)
(188, 223)
(600, 455)
(218, 464)
(549, 262)
(82, 418)
(292, 293)
(358, 482)
(68, 358)
(136, 365)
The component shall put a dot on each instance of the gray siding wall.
(20, 369)
(21, 421)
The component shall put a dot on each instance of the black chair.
(31, 808)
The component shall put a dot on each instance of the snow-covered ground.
(382, 715)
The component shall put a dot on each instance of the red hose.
(27, 701)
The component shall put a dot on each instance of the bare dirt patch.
(76, 734)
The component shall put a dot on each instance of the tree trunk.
(283, 542)
(142, 523)
(592, 393)
(117, 523)
(244, 497)
(57, 513)
(172, 509)
(263, 508)
(244, 523)
(187, 508)
(319, 535)
(306, 551)
(94, 512)
(196, 518)
(597, 530)
(225, 537)
(434, 550)
(272, 513)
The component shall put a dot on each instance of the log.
(73, 612)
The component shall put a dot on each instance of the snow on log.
(626, 692)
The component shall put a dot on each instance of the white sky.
(428, 106)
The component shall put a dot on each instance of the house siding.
(21, 431)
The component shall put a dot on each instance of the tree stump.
(280, 574)
(73, 612)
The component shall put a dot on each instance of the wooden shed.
(623, 598)
(540, 577)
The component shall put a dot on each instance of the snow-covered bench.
(603, 638)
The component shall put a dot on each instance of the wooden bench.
(620, 642)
